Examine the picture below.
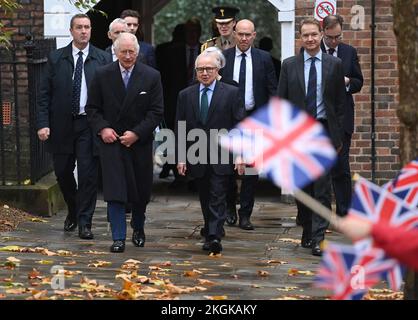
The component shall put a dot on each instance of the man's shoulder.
(208, 43)
(291, 60)
(228, 86)
(103, 55)
(145, 46)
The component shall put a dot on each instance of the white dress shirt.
(249, 92)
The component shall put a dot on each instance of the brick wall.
(386, 87)
(28, 19)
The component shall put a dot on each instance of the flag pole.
(317, 207)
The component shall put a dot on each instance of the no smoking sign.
(324, 8)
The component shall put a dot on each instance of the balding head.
(245, 34)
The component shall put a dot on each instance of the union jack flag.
(379, 205)
(405, 185)
(351, 270)
(285, 142)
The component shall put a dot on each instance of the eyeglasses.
(207, 69)
(336, 38)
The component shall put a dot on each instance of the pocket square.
(143, 92)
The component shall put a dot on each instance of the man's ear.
(108, 35)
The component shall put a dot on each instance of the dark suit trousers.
(212, 195)
(341, 178)
(246, 196)
(314, 226)
(81, 199)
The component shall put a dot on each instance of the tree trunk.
(405, 26)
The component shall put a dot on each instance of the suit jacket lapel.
(117, 84)
(300, 72)
(136, 81)
(256, 62)
(230, 58)
(325, 71)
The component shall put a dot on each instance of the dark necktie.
(78, 74)
(204, 106)
(331, 51)
(242, 74)
(311, 95)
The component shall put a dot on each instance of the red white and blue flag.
(405, 185)
(351, 270)
(379, 205)
(285, 142)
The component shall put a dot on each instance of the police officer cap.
(225, 14)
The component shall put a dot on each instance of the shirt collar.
(122, 69)
(307, 56)
(211, 87)
(238, 52)
(85, 50)
(327, 48)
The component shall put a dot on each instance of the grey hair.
(128, 36)
(117, 20)
(217, 54)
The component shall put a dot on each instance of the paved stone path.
(254, 264)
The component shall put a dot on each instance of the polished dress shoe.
(306, 243)
(118, 246)
(215, 246)
(204, 233)
(206, 245)
(231, 216)
(70, 224)
(245, 224)
(85, 233)
(316, 250)
(138, 238)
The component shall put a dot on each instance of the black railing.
(23, 159)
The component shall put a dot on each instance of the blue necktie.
(242, 74)
(311, 95)
(126, 78)
(78, 74)
(204, 106)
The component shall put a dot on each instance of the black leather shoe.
(85, 233)
(231, 216)
(117, 246)
(206, 246)
(245, 224)
(138, 238)
(316, 250)
(70, 224)
(215, 246)
(306, 243)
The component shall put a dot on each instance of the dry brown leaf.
(34, 274)
(2, 296)
(291, 240)
(96, 252)
(293, 272)
(205, 282)
(38, 220)
(276, 262)
(149, 290)
(215, 255)
(64, 253)
(262, 273)
(17, 291)
(39, 295)
(45, 262)
(13, 259)
(286, 289)
(193, 273)
(69, 263)
(99, 264)
(165, 264)
(216, 297)
(11, 248)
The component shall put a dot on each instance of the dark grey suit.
(226, 109)
(292, 88)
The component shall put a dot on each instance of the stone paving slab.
(172, 230)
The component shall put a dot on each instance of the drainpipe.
(372, 88)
